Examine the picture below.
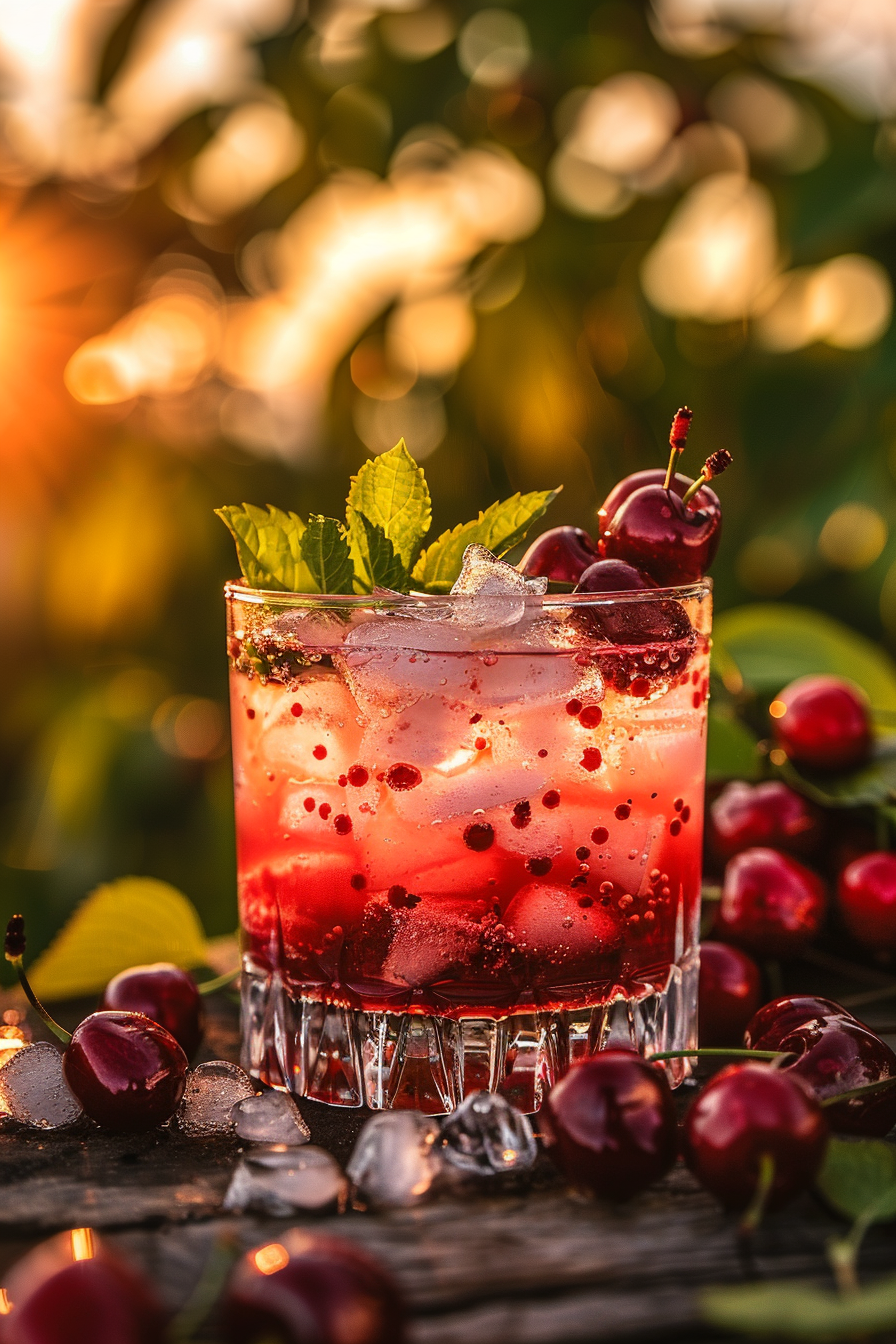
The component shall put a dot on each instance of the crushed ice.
(272, 1117)
(497, 594)
(33, 1089)
(212, 1092)
(396, 1160)
(279, 1180)
(488, 1136)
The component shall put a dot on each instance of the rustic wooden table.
(527, 1262)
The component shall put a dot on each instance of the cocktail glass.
(469, 836)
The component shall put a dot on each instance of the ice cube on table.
(497, 593)
(211, 1093)
(279, 1180)
(486, 1135)
(396, 1160)
(271, 1117)
(33, 1089)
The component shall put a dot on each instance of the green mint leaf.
(858, 1179)
(784, 1309)
(325, 552)
(391, 491)
(499, 528)
(376, 564)
(269, 547)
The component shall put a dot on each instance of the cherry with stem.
(678, 437)
(127, 1071)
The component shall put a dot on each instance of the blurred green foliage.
(112, 563)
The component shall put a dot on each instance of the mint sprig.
(388, 513)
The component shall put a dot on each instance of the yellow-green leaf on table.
(391, 491)
(859, 1178)
(500, 528)
(785, 1309)
(772, 644)
(129, 922)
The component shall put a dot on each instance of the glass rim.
(239, 590)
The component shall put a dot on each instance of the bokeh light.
(770, 566)
(717, 253)
(853, 537)
(846, 302)
(493, 47)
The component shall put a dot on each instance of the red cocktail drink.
(469, 835)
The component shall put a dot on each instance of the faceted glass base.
(348, 1057)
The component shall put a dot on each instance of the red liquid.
(466, 832)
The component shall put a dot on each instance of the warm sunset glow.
(717, 253)
(5, 1304)
(270, 1259)
(846, 302)
(82, 1243)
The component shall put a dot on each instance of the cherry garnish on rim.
(755, 1136)
(127, 1072)
(866, 893)
(668, 479)
(673, 539)
(729, 994)
(822, 722)
(771, 904)
(73, 1290)
(613, 576)
(561, 554)
(305, 1287)
(165, 993)
(609, 1124)
(771, 814)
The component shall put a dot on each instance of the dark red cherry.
(746, 815)
(671, 541)
(636, 481)
(771, 904)
(730, 992)
(165, 993)
(822, 722)
(866, 891)
(609, 1124)
(777, 1019)
(837, 1054)
(562, 554)
(304, 1288)
(127, 1072)
(744, 1113)
(612, 576)
(73, 1290)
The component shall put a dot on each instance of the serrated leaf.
(129, 922)
(375, 560)
(773, 644)
(269, 547)
(500, 528)
(391, 492)
(858, 1179)
(786, 1310)
(325, 552)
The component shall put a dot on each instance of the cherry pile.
(658, 529)
(74, 1290)
(127, 1063)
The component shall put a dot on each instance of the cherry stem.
(678, 437)
(219, 982)
(60, 1032)
(711, 1052)
(881, 1085)
(692, 489)
(224, 1251)
(753, 1215)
